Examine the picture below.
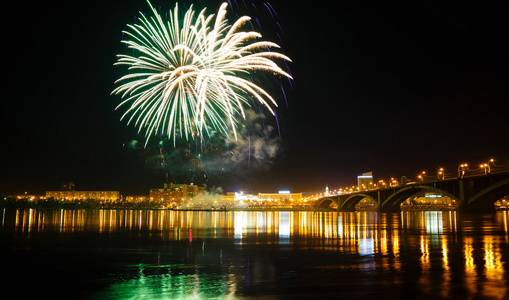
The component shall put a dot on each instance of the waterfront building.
(136, 199)
(502, 204)
(28, 197)
(365, 181)
(84, 195)
(230, 197)
(263, 199)
(281, 197)
(174, 193)
(429, 200)
(245, 197)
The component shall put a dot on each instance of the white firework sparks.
(190, 76)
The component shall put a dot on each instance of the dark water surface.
(127, 254)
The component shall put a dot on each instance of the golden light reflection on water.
(436, 242)
(493, 268)
(446, 291)
(503, 219)
(364, 233)
(470, 270)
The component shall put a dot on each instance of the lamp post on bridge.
(487, 167)
(461, 170)
(421, 176)
(441, 174)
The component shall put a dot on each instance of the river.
(154, 254)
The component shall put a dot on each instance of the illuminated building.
(282, 196)
(136, 199)
(230, 196)
(502, 204)
(166, 195)
(429, 201)
(432, 198)
(365, 181)
(28, 197)
(245, 197)
(69, 193)
(84, 195)
(175, 193)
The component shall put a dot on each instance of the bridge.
(475, 193)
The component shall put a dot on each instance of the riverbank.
(433, 207)
(67, 207)
(92, 204)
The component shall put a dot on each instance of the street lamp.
(441, 174)
(420, 177)
(461, 170)
(487, 168)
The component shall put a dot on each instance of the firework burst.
(187, 78)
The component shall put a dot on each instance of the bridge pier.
(461, 186)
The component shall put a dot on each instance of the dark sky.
(390, 88)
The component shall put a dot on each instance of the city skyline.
(388, 88)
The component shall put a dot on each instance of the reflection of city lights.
(284, 227)
(492, 258)
(366, 246)
(503, 217)
(434, 222)
(494, 269)
(340, 226)
(240, 224)
(389, 241)
(395, 243)
(445, 256)
(470, 271)
(425, 263)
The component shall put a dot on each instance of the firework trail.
(190, 79)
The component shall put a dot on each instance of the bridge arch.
(350, 202)
(487, 196)
(326, 202)
(393, 202)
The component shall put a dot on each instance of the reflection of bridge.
(477, 193)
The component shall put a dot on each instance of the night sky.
(390, 88)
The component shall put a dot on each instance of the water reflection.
(430, 222)
(503, 219)
(173, 282)
(284, 227)
(218, 254)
